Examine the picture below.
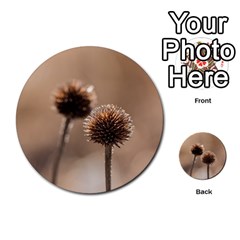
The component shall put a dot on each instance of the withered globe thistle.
(208, 157)
(108, 125)
(197, 149)
(74, 100)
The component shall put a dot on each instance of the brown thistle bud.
(208, 157)
(197, 149)
(108, 125)
(74, 100)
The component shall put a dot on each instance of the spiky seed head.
(197, 149)
(74, 99)
(108, 125)
(208, 157)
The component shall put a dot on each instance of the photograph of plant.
(202, 156)
(89, 120)
(72, 101)
(108, 125)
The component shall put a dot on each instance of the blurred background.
(117, 80)
(210, 143)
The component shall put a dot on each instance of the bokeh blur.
(210, 143)
(117, 80)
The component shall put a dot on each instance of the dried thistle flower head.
(74, 100)
(108, 125)
(208, 157)
(197, 149)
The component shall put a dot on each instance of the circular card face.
(89, 120)
(202, 156)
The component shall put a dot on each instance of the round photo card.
(89, 120)
(202, 156)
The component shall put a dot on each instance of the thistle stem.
(208, 168)
(108, 166)
(193, 163)
(60, 150)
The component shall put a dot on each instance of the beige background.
(117, 80)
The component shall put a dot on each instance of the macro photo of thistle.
(89, 120)
(196, 150)
(109, 126)
(73, 100)
(202, 156)
(208, 158)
